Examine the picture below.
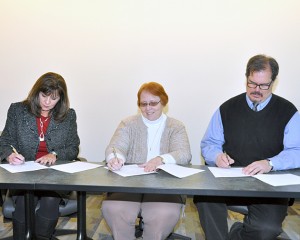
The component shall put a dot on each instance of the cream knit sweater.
(130, 140)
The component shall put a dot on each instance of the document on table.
(76, 166)
(227, 172)
(26, 167)
(175, 170)
(131, 170)
(71, 167)
(279, 179)
(179, 171)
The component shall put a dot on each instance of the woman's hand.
(49, 159)
(115, 164)
(15, 159)
(152, 164)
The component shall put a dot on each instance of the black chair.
(67, 207)
(140, 227)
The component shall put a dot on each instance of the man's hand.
(224, 161)
(260, 166)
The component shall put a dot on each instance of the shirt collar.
(261, 105)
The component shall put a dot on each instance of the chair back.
(67, 206)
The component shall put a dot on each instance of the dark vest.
(251, 136)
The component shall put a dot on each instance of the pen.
(227, 157)
(115, 153)
(116, 157)
(14, 150)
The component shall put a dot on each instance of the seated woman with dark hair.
(41, 128)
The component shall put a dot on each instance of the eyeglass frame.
(150, 104)
(266, 85)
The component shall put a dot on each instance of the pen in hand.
(229, 160)
(116, 163)
(16, 152)
(115, 153)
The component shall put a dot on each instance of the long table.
(203, 183)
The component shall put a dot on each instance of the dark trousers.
(45, 218)
(263, 221)
(48, 201)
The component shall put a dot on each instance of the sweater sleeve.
(175, 142)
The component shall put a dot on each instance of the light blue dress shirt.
(289, 157)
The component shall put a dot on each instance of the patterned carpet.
(188, 225)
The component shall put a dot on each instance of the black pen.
(227, 157)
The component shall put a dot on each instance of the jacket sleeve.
(8, 136)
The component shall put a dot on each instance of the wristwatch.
(54, 153)
(271, 165)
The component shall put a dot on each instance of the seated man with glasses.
(259, 131)
(149, 139)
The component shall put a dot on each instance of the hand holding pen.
(15, 158)
(115, 163)
(224, 160)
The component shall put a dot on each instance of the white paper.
(26, 167)
(279, 179)
(74, 167)
(131, 170)
(227, 172)
(179, 171)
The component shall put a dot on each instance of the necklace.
(42, 135)
(155, 135)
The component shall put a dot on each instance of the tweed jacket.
(21, 132)
(130, 140)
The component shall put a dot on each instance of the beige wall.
(106, 49)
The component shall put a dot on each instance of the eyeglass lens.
(261, 86)
(152, 104)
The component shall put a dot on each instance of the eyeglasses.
(264, 86)
(152, 104)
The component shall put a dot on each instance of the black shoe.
(235, 228)
(18, 230)
(44, 228)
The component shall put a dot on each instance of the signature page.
(25, 167)
(227, 172)
(131, 170)
(179, 171)
(74, 167)
(279, 179)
